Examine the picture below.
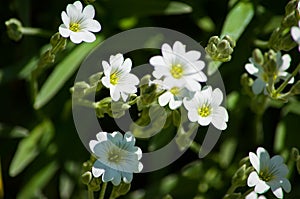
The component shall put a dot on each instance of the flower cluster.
(180, 73)
(268, 70)
(78, 23)
(269, 173)
(117, 157)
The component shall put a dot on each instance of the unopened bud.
(295, 154)
(14, 29)
(120, 190)
(86, 177)
(258, 56)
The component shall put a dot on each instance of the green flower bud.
(291, 6)
(79, 88)
(295, 154)
(270, 63)
(245, 161)
(117, 109)
(220, 49)
(246, 83)
(258, 56)
(120, 190)
(58, 43)
(240, 177)
(46, 58)
(14, 29)
(94, 184)
(86, 177)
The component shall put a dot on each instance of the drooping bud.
(14, 29)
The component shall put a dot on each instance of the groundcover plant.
(140, 99)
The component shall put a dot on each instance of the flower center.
(114, 78)
(265, 175)
(176, 71)
(114, 156)
(174, 90)
(75, 27)
(265, 77)
(204, 110)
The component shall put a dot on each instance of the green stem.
(90, 194)
(35, 31)
(285, 83)
(103, 189)
(261, 44)
(195, 147)
(231, 189)
(259, 110)
(246, 193)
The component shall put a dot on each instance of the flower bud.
(295, 154)
(14, 29)
(120, 190)
(258, 56)
(86, 177)
(270, 62)
(94, 184)
(220, 49)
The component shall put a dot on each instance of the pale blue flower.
(269, 173)
(117, 157)
(262, 80)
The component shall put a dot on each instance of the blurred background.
(41, 154)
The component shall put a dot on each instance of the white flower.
(117, 77)
(78, 24)
(262, 80)
(117, 157)
(253, 195)
(174, 95)
(295, 32)
(269, 173)
(205, 108)
(179, 66)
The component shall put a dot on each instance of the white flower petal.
(278, 192)
(252, 179)
(251, 195)
(76, 37)
(286, 61)
(101, 136)
(165, 98)
(295, 32)
(174, 104)
(261, 187)
(254, 161)
(89, 11)
(251, 69)
(88, 36)
(65, 19)
(193, 55)
(167, 53)
(64, 31)
(193, 115)
(73, 13)
(217, 97)
(219, 118)
(178, 48)
(78, 5)
(92, 144)
(204, 121)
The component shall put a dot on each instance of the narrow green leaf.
(30, 147)
(34, 185)
(177, 8)
(237, 20)
(280, 135)
(12, 132)
(62, 72)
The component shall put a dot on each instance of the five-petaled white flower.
(253, 195)
(117, 157)
(118, 77)
(78, 24)
(269, 173)
(262, 80)
(180, 66)
(174, 95)
(205, 108)
(295, 32)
